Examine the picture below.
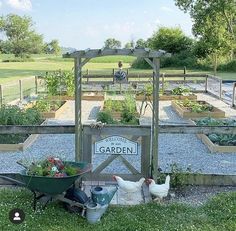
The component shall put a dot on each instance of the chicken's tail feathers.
(167, 179)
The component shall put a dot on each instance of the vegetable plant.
(13, 115)
(220, 139)
(181, 90)
(45, 106)
(194, 106)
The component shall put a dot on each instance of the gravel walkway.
(185, 150)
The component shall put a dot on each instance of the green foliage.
(58, 82)
(112, 43)
(18, 59)
(220, 139)
(141, 43)
(181, 90)
(129, 110)
(21, 38)
(217, 214)
(13, 115)
(230, 66)
(43, 105)
(171, 40)
(140, 63)
(105, 117)
(195, 106)
(52, 47)
(215, 18)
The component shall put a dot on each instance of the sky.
(83, 24)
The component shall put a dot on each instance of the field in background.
(10, 71)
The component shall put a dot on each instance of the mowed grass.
(10, 71)
(218, 214)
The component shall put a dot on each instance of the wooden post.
(163, 82)
(220, 96)
(155, 116)
(113, 71)
(78, 125)
(36, 84)
(1, 95)
(87, 75)
(21, 89)
(233, 96)
(206, 83)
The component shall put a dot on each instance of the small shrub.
(105, 117)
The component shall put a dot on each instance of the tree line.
(214, 42)
(21, 39)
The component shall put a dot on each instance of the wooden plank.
(87, 149)
(104, 164)
(109, 130)
(149, 62)
(108, 177)
(184, 113)
(1, 95)
(145, 157)
(129, 166)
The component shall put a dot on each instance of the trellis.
(152, 57)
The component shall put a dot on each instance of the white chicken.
(159, 190)
(129, 186)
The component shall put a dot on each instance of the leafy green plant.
(13, 115)
(60, 82)
(45, 106)
(105, 117)
(181, 90)
(220, 139)
(194, 106)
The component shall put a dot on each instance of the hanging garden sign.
(116, 145)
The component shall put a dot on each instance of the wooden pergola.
(152, 57)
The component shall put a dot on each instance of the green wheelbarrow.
(52, 188)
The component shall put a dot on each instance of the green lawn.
(10, 71)
(218, 214)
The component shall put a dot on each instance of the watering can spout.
(111, 193)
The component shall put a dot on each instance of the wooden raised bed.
(20, 146)
(117, 114)
(60, 97)
(187, 114)
(93, 96)
(214, 147)
(169, 97)
(55, 114)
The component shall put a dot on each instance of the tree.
(130, 44)
(141, 43)
(112, 43)
(53, 47)
(214, 24)
(171, 40)
(21, 38)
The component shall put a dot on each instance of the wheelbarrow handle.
(13, 180)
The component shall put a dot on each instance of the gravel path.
(186, 150)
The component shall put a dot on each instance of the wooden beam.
(155, 116)
(138, 52)
(84, 62)
(149, 62)
(109, 129)
(78, 125)
(104, 164)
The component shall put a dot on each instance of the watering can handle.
(13, 180)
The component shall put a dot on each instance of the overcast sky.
(88, 23)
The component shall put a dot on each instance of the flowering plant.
(52, 167)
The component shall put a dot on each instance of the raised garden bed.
(166, 97)
(217, 143)
(119, 111)
(55, 110)
(21, 146)
(60, 97)
(13, 115)
(196, 109)
(93, 96)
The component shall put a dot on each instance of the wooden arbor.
(152, 57)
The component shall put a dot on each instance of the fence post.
(233, 96)
(36, 84)
(21, 90)
(221, 89)
(163, 82)
(206, 83)
(113, 71)
(1, 95)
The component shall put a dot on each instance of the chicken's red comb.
(114, 177)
